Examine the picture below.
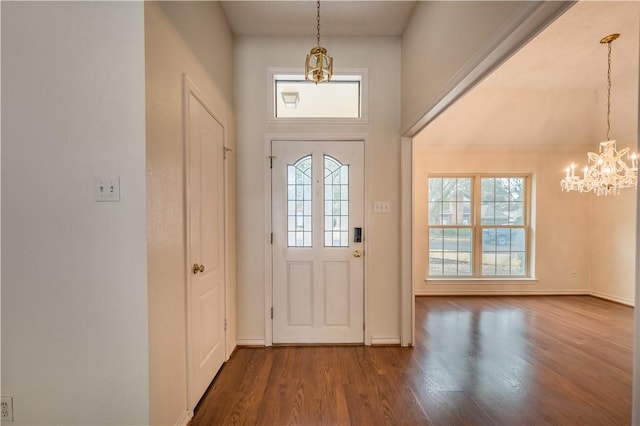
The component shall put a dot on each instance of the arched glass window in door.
(336, 203)
(299, 224)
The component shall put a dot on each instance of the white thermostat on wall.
(107, 188)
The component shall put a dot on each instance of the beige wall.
(560, 231)
(497, 129)
(74, 276)
(189, 38)
(612, 246)
(253, 55)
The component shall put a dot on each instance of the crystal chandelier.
(608, 170)
(319, 65)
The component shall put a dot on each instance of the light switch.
(107, 188)
(382, 207)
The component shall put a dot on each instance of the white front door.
(318, 212)
(205, 253)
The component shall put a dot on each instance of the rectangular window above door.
(296, 100)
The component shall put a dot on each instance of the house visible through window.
(478, 226)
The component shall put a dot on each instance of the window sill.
(476, 280)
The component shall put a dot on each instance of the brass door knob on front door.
(357, 253)
(197, 268)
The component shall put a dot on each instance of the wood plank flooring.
(561, 360)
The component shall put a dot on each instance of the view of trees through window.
(478, 226)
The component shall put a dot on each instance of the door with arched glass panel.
(318, 216)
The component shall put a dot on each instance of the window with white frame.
(297, 98)
(479, 226)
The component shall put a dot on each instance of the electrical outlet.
(6, 408)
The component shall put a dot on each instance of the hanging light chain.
(318, 34)
(609, 89)
(608, 40)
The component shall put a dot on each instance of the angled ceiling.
(551, 91)
(568, 54)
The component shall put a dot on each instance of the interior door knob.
(197, 268)
(357, 253)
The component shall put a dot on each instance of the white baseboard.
(481, 292)
(613, 298)
(184, 419)
(250, 342)
(385, 340)
(393, 340)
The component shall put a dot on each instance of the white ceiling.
(337, 17)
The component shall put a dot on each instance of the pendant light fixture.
(608, 170)
(319, 65)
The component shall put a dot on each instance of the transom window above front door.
(342, 99)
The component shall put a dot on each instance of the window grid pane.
(299, 207)
(450, 201)
(502, 201)
(450, 251)
(503, 251)
(336, 203)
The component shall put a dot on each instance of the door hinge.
(364, 327)
(225, 150)
(271, 157)
(272, 238)
(272, 312)
(225, 324)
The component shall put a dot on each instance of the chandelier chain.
(608, 90)
(318, 18)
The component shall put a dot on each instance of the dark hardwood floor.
(564, 360)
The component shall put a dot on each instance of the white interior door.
(318, 203)
(205, 253)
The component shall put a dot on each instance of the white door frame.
(189, 88)
(407, 295)
(268, 261)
